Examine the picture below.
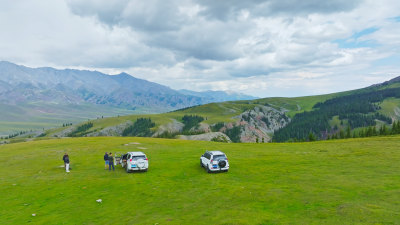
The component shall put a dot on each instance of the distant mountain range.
(24, 86)
(217, 96)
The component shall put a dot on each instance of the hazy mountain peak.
(123, 74)
(21, 84)
(218, 96)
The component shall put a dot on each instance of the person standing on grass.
(106, 160)
(110, 162)
(66, 162)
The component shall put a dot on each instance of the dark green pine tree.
(373, 131)
(341, 134)
(396, 127)
(383, 130)
(311, 137)
(362, 133)
(348, 132)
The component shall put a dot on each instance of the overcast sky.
(262, 48)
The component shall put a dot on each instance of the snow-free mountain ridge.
(46, 96)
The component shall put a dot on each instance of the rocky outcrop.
(202, 128)
(111, 131)
(211, 136)
(259, 123)
(64, 132)
(172, 128)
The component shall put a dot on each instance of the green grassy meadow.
(351, 181)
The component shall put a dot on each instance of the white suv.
(214, 161)
(134, 161)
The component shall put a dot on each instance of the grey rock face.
(172, 127)
(111, 131)
(207, 137)
(203, 127)
(260, 122)
(64, 132)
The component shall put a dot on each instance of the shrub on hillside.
(217, 127)
(167, 135)
(234, 133)
(219, 139)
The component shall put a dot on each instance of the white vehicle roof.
(136, 153)
(216, 152)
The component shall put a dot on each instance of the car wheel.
(208, 169)
(201, 163)
(145, 170)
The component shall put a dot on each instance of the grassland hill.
(364, 112)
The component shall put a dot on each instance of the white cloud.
(259, 47)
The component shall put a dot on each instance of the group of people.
(108, 158)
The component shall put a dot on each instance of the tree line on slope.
(81, 130)
(191, 121)
(141, 128)
(370, 131)
(15, 134)
(358, 109)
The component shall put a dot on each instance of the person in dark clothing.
(106, 160)
(66, 162)
(110, 162)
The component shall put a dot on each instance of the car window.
(208, 156)
(135, 158)
(219, 157)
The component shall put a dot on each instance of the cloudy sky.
(259, 47)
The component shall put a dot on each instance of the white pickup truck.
(132, 161)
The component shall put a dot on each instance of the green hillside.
(325, 116)
(214, 112)
(353, 181)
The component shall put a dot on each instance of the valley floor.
(353, 181)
